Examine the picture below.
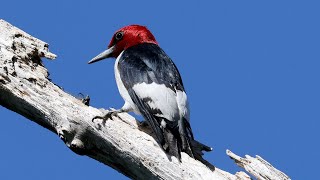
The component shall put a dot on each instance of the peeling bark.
(119, 143)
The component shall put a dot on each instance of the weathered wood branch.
(257, 165)
(119, 143)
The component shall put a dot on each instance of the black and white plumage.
(151, 85)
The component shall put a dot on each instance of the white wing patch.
(160, 97)
(183, 104)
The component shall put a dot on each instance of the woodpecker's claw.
(107, 116)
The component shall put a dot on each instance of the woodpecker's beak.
(105, 54)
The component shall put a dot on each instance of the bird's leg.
(113, 112)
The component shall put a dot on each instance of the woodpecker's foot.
(108, 115)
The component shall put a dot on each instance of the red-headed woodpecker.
(150, 84)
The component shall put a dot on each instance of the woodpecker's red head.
(124, 38)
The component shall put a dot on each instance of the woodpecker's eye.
(119, 36)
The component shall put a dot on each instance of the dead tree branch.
(121, 144)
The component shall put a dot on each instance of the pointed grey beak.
(105, 54)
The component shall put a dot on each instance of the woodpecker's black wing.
(148, 63)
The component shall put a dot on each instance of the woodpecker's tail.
(179, 138)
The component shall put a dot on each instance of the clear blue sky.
(250, 68)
